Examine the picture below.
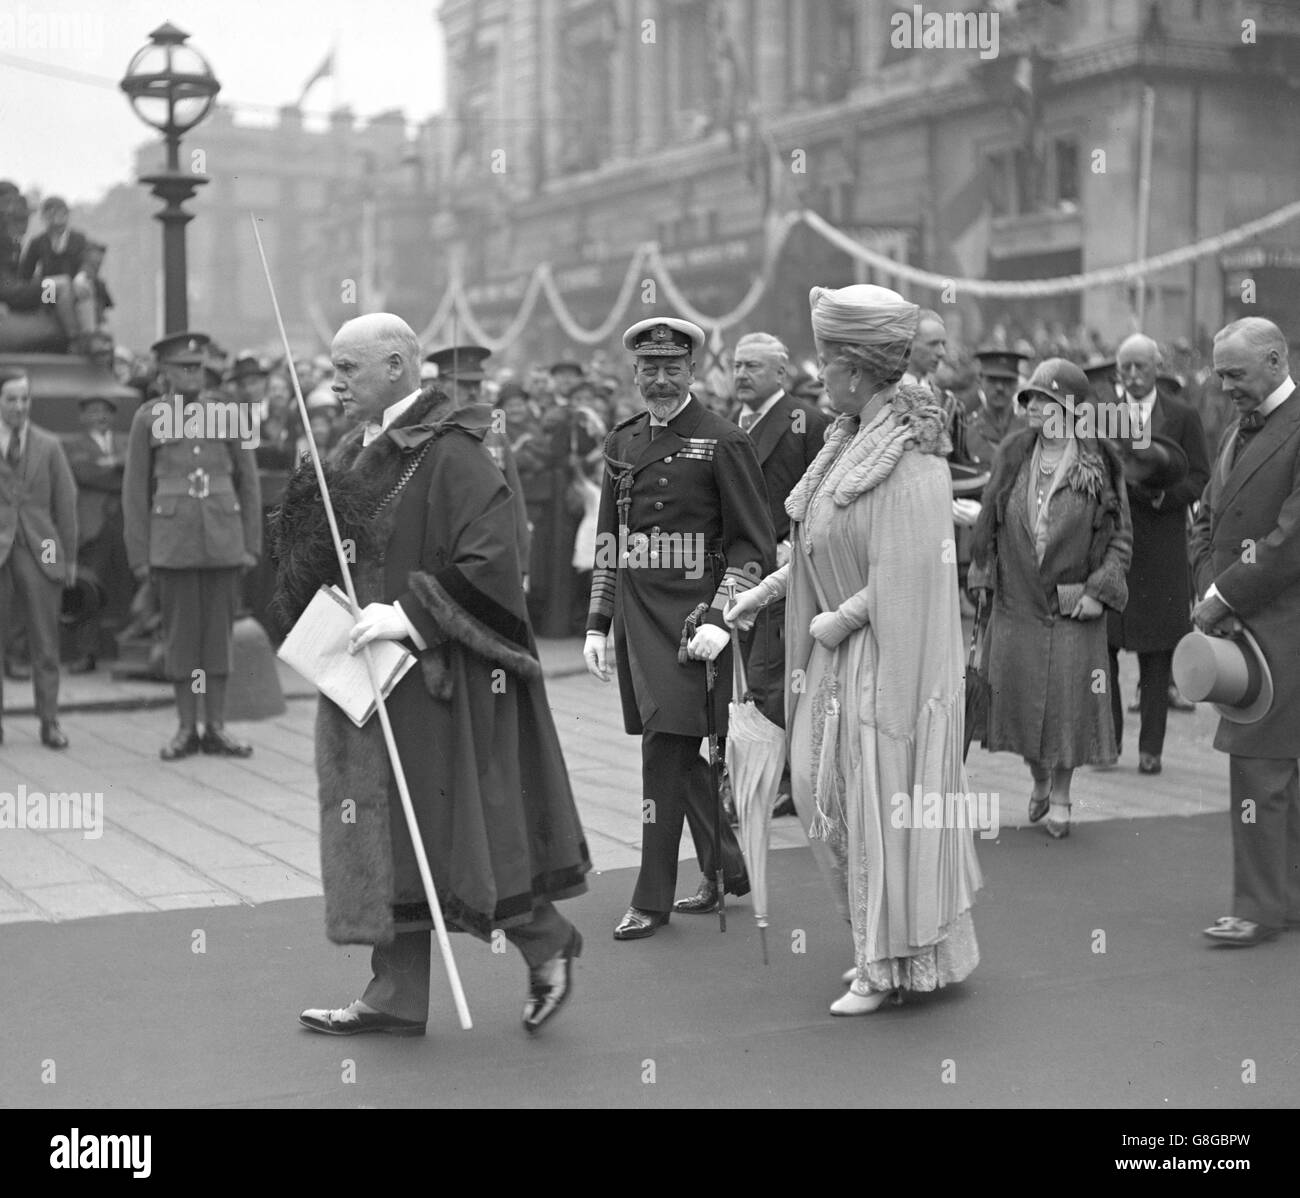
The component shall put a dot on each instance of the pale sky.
(76, 137)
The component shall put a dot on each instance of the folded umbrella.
(977, 679)
(755, 759)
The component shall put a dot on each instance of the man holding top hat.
(192, 509)
(1166, 468)
(683, 513)
(1245, 552)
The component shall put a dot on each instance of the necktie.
(1247, 427)
(747, 421)
(15, 454)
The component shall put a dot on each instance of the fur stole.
(910, 419)
(359, 478)
(1098, 472)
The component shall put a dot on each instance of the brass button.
(659, 506)
(663, 482)
(196, 449)
(669, 458)
(655, 530)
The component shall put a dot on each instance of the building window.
(1065, 152)
(1001, 190)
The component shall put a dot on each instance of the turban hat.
(879, 322)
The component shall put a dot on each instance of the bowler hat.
(664, 337)
(1160, 465)
(82, 600)
(1230, 672)
(246, 367)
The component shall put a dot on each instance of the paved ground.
(213, 832)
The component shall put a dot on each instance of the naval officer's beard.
(663, 405)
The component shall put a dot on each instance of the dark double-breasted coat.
(785, 441)
(1159, 581)
(679, 514)
(1246, 541)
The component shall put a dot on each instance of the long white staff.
(426, 876)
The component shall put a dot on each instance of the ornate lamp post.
(171, 88)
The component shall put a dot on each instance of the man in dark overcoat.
(1245, 553)
(433, 521)
(97, 456)
(787, 435)
(1159, 581)
(192, 516)
(683, 513)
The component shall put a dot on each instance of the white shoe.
(853, 1003)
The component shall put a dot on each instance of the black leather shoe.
(1148, 763)
(353, 1021)
(784, 806)
(184, 744)
(1232, 932)
(83, 665)
(638, 924)
(18, 671)
(550, 986)
(705, 900)
(218, 742)
(52, 735)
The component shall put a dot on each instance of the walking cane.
(711, 722)
(421, 858)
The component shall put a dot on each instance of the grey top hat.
(1230, 672)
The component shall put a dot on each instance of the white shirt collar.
(913, 379)
(672, 415)
(1277, 396)
(763, 409)
(391, 413)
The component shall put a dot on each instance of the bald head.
(376, 361)
(1136, 361)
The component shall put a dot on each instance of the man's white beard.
(661, 409)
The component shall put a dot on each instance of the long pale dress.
(881, 713)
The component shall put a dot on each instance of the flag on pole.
(324, 71)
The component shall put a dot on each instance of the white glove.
(594, 654)
(782, 553)
(965, 512)
(379, 622)
(707, 643)
(742, 610)
(825, 629)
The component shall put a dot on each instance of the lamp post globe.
(171, 88)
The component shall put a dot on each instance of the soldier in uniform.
(683, 513)
(460, 375)
(192, 511)
(997, 417)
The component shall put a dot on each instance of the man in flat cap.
(192, 507)
(683, 515)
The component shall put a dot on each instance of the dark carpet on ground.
(132, 1017)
